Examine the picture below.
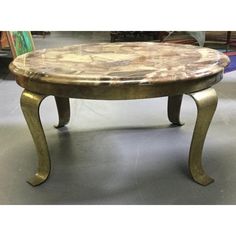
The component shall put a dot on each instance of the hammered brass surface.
(30, 104)
(174, 106)
(63, 108)
(206, 102)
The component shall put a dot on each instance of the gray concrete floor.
(116, 152)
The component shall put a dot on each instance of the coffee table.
(114, 71)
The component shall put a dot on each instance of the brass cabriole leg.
(30, 103)
(174, 105)
(206, 102)
(63, 108)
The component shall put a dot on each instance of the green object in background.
(22, 41)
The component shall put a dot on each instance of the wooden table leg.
(30, 103)
(206, 101)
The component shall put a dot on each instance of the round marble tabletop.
(119, 64)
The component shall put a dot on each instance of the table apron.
(118, 92)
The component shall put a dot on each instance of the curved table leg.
(30, 103)
(174, 105)
(63, 108)
(206, 102)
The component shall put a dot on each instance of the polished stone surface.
(120, 63)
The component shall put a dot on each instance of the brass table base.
(206, 101)
(30, 103)
(174, 105)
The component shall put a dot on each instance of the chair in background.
(22, 42)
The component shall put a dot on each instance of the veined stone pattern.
(120, 63)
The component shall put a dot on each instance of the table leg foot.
(38, 178)
(174, 105)
(206, 102)
(30, 103)
(63, 108)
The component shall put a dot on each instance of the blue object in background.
(232, 64)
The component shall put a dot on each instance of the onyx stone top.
(119, 63)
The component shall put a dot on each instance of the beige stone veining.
(115, 63)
